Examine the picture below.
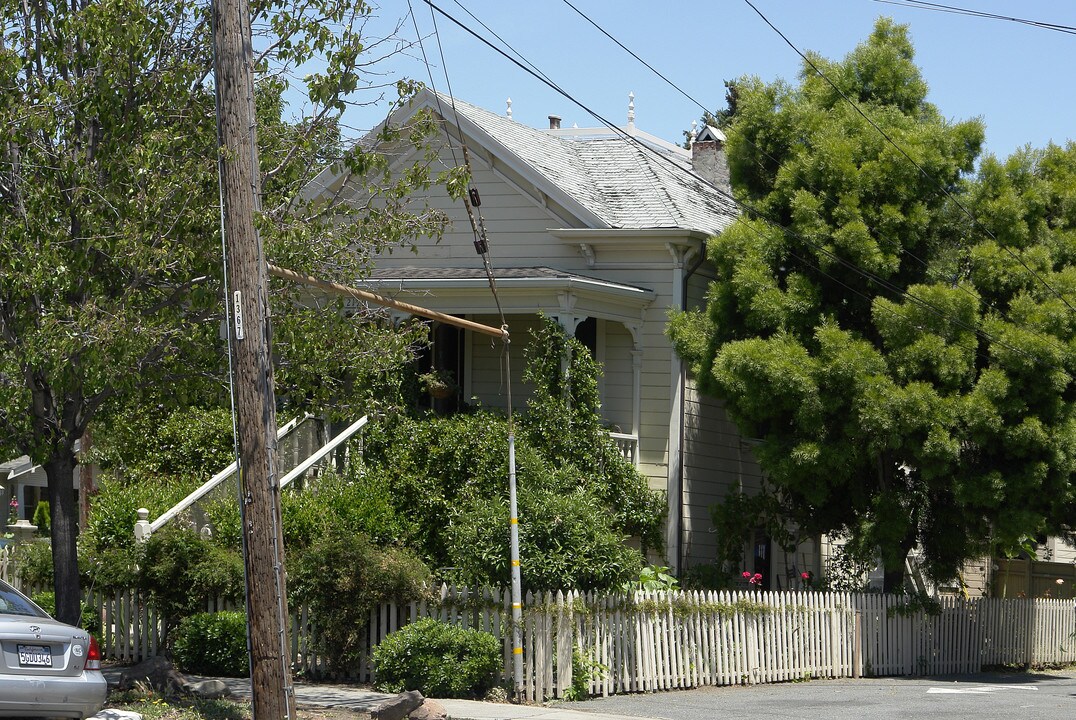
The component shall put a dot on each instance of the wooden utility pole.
(249, 341)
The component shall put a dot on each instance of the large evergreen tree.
(110, 252)
(908, 370)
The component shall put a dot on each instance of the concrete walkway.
(353, 697)
(356, 698)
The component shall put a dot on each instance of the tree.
(110, 269)
(909, 378)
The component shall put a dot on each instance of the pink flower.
(746, 574)
(805, 576)
(756, 579)
(14, 504)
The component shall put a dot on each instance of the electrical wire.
(954, 10)
(739, 203)
(819, 192)
(855, 106)
(472, 201)
(706, 111)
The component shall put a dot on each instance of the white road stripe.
(977, 690)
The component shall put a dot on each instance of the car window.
(13, 603)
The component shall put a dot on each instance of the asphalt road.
(987, 696)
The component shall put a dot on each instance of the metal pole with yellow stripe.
(517, 592)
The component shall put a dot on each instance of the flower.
(805, 576)
(756, 579)
(1059, 581)
(747, 573)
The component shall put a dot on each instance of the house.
(25, 482)
(605, 232)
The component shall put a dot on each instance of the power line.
(855, 106)
(954, 10)
(472, 202)
(821, 193)
(818, 248)
(629, 51)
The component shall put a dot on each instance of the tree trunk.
(893, 581)
(60, 470)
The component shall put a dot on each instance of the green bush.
(567, 540)
(138, 444)
(114, 509)
(212, 644)
(42, 518)
(438, 660)
(579, 499)
(351, 499)
(342, 577)
(180, 569)
(34, 563)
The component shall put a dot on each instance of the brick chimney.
(554, 122)
(708, 159)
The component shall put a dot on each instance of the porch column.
(677, 378)
(636, 385)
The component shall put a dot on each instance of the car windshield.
(14, 603)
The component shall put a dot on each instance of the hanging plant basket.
(439, 384)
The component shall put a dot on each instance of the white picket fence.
(7, 565)
(657, 641)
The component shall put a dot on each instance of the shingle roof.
(630, 185)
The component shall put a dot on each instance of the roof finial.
(508, 102)
(694, 131)
(631, 110)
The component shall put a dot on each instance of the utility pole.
(247, 284)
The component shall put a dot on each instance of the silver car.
(47, 668)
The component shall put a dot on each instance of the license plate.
(35, 655)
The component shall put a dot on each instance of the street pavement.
(352, 697)
(984, 696)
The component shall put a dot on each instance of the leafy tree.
(110, 261)
(909, 377)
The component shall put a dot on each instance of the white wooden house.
(607, 235)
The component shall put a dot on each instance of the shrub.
(212, 644)
(114, 509)
(42, 519)
(438, 660)
(342, 577)
(180, 570)
(566, 541)
(579, 498)
(355, 501)
(34, 563)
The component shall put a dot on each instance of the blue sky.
(1017, 78)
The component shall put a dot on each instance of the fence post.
(855, 644)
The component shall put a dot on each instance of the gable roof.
(605, 179)
(638, 183)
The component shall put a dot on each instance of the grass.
(152, 705)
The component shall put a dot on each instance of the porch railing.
(629, 446)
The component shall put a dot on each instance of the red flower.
(746, 574)
(805, 576)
